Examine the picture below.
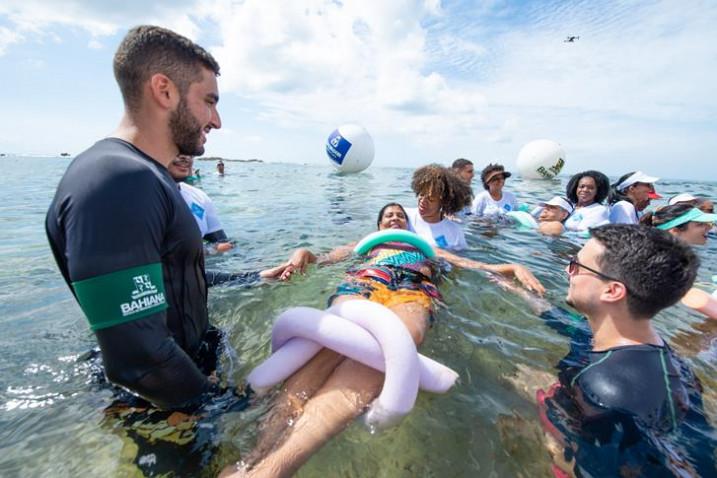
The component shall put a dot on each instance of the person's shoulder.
(621, 205)
(509, 196)
(480, 198)
(411, 213)
(194, 191)
(628, 379)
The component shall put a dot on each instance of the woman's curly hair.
(436, 180)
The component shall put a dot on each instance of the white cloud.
(7, 38)
(328, 63)
(38, 19)
(478, 77)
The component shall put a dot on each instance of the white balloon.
(541, 159)
(350, 148)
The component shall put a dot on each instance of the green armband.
(121, 296)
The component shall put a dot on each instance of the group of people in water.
(130, 245)
(591, 201)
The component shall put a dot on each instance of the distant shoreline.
(68, 155)
(217, 158)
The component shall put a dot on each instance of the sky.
(430, 80)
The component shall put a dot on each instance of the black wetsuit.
(627, 411)
(117, 211)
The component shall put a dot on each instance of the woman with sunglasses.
(629, 196)
(494, 202)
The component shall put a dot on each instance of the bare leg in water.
(321, 399)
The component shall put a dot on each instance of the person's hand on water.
(527, 278)
(281, 272)
(522, 273)
(224, 246)
(301, 258)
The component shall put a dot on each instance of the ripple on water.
(51, 410)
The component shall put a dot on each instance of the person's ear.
(614, 292)
(163, 91)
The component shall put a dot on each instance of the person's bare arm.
(518, 271)
(302, 257)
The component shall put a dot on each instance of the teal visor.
(693, 215)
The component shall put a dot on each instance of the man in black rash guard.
(122, 236)
(625, 404)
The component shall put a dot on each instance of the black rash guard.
(628, 411)
(130, 250)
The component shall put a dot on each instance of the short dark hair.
(461, 163)
(383, 209)
(147, 50)
(656, 268)
(602, 184)
(487, 170)
(453, 192)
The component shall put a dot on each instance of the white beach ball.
(541, 159)
(350, 148)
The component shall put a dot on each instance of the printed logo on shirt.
(144, 296)
(507, 207)
(121, 296)
(197, 210)
(441, 242)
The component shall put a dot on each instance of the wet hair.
(435, 179)
(602, 184)
(383, 209)
(666, 214)
(656, 267)
(614, 195)
(461, 163)
(147, 50)
(487, 170)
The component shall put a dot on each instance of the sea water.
(51, 410)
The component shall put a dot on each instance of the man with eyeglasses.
(625, 404)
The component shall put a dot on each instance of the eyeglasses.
(574, 268)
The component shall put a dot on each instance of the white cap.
(636, 177)
(560, 202)
(684, 197)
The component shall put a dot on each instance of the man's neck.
(618, 328)
(150, 136)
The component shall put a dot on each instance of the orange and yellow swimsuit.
(393, 274)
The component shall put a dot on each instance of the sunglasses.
(574, 268)
(496, 178)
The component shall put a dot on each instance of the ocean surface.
(51, 409)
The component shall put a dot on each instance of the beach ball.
(350, 148)
(541, 159)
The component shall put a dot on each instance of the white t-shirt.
(586, 217)
(484, 205)
(445, 234)
(623, 212)
(202, 208)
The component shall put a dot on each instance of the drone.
(571, 39)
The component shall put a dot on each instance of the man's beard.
(186, 130)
